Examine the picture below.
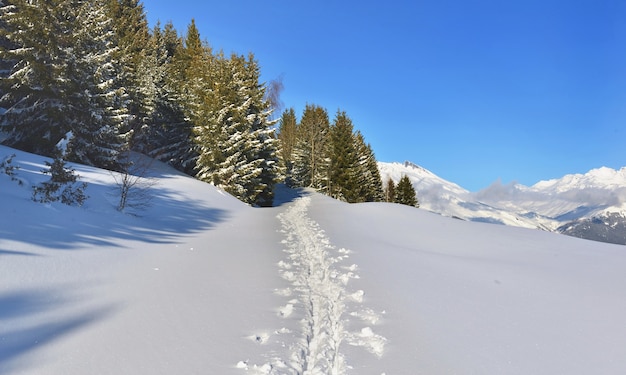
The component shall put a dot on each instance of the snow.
(546, 205)
(63, 143)
(446, 198)
(199, 283)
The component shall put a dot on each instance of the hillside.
(587, 205)
(198, 283)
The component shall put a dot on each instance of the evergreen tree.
(132, 37)
(6, 65)
(99, 101)
(288, 126)
(264, 142)
(169, 136)
(310, 153)
(370, 182)
(32, 96)
(64, 82)
(238, 150)
(344, 179)
(192, 78)
(61, 186)
(405, 193)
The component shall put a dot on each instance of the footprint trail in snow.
(319, 293)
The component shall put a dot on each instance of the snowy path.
(319, 294)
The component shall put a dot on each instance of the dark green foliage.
(233, 132)
(61, 186)
(132, 37)
(335, 159)
(7, 167)
(288, 126)
(369, 180)
(310, 153)
(405, 192)
(88, 81)
(344, 172)
(168, 137)
(64, 80)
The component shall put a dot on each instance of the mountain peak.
(547, 205)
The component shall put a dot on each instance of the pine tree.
(132, 37)
(370, 182)
(344, 178)
(6, 65)
(99, 101)
(264, 142)
(310, 153)
(238, 150)
(169, 135)
(287, 135)
(61, 185)
(63, 85)
(405, 193)
(32, 96)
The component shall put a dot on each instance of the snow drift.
(198, 283)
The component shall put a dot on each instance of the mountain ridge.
(590, 205)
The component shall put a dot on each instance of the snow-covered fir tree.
(168, 136)
(335, 159)
(369, 180)
(6, 64)
(137, 67)
(238, 150)
(343, 182)
(287, 128)
(99, 132)
(310, 152)
(64, 83)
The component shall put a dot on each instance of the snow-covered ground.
(198, 283)
(546, 205)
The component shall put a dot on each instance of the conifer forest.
(90, 81)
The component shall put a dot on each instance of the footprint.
(260, 338)
(286, 310)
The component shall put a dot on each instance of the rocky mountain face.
(590, 205)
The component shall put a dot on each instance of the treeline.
(330, 157)
(89, 82)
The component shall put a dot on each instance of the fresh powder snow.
(198, 283)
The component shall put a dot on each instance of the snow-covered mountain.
(590, 205)
(199, 283)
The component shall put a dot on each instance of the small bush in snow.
(61, 186)
(133, 183)
(9, 169)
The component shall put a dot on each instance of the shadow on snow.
(62, 227)
(284, 194)
(28, 322)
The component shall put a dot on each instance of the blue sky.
(474, 91)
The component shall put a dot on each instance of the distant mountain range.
(590, 205)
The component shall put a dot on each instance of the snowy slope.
(591, 205)
(199, 283)
(567, 197)
(446, 198)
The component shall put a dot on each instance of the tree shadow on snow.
(29, 320)
(284, 194)
(167, 217)
(12, 252)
